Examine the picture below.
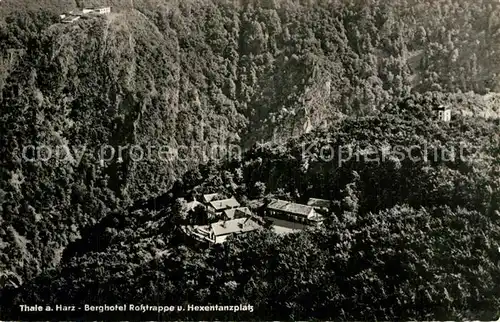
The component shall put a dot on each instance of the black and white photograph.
(250, 160)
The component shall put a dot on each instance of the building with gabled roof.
(287, 207)
(294, 212)
(207, 198)
(221, 205)
(219, 231)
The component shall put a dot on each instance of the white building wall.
(220, 239)
(444, 115)
(104, 10)
(447, 116)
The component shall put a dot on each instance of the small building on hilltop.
(443, 113)
(102, 10)
(74, 15)
(221, 205)
(218, 232)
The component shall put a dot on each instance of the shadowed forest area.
(406, 240)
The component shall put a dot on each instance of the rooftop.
(319, 203)
(290, 207)
(210, 197)
(242, 211)
(239, 225)
(225, 203)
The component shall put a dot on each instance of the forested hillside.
(12, 7)
(199, 73)
(409, 239)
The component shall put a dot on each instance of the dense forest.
(408, 240)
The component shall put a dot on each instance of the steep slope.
(9, 7)
(193, 75)
(404, 231)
